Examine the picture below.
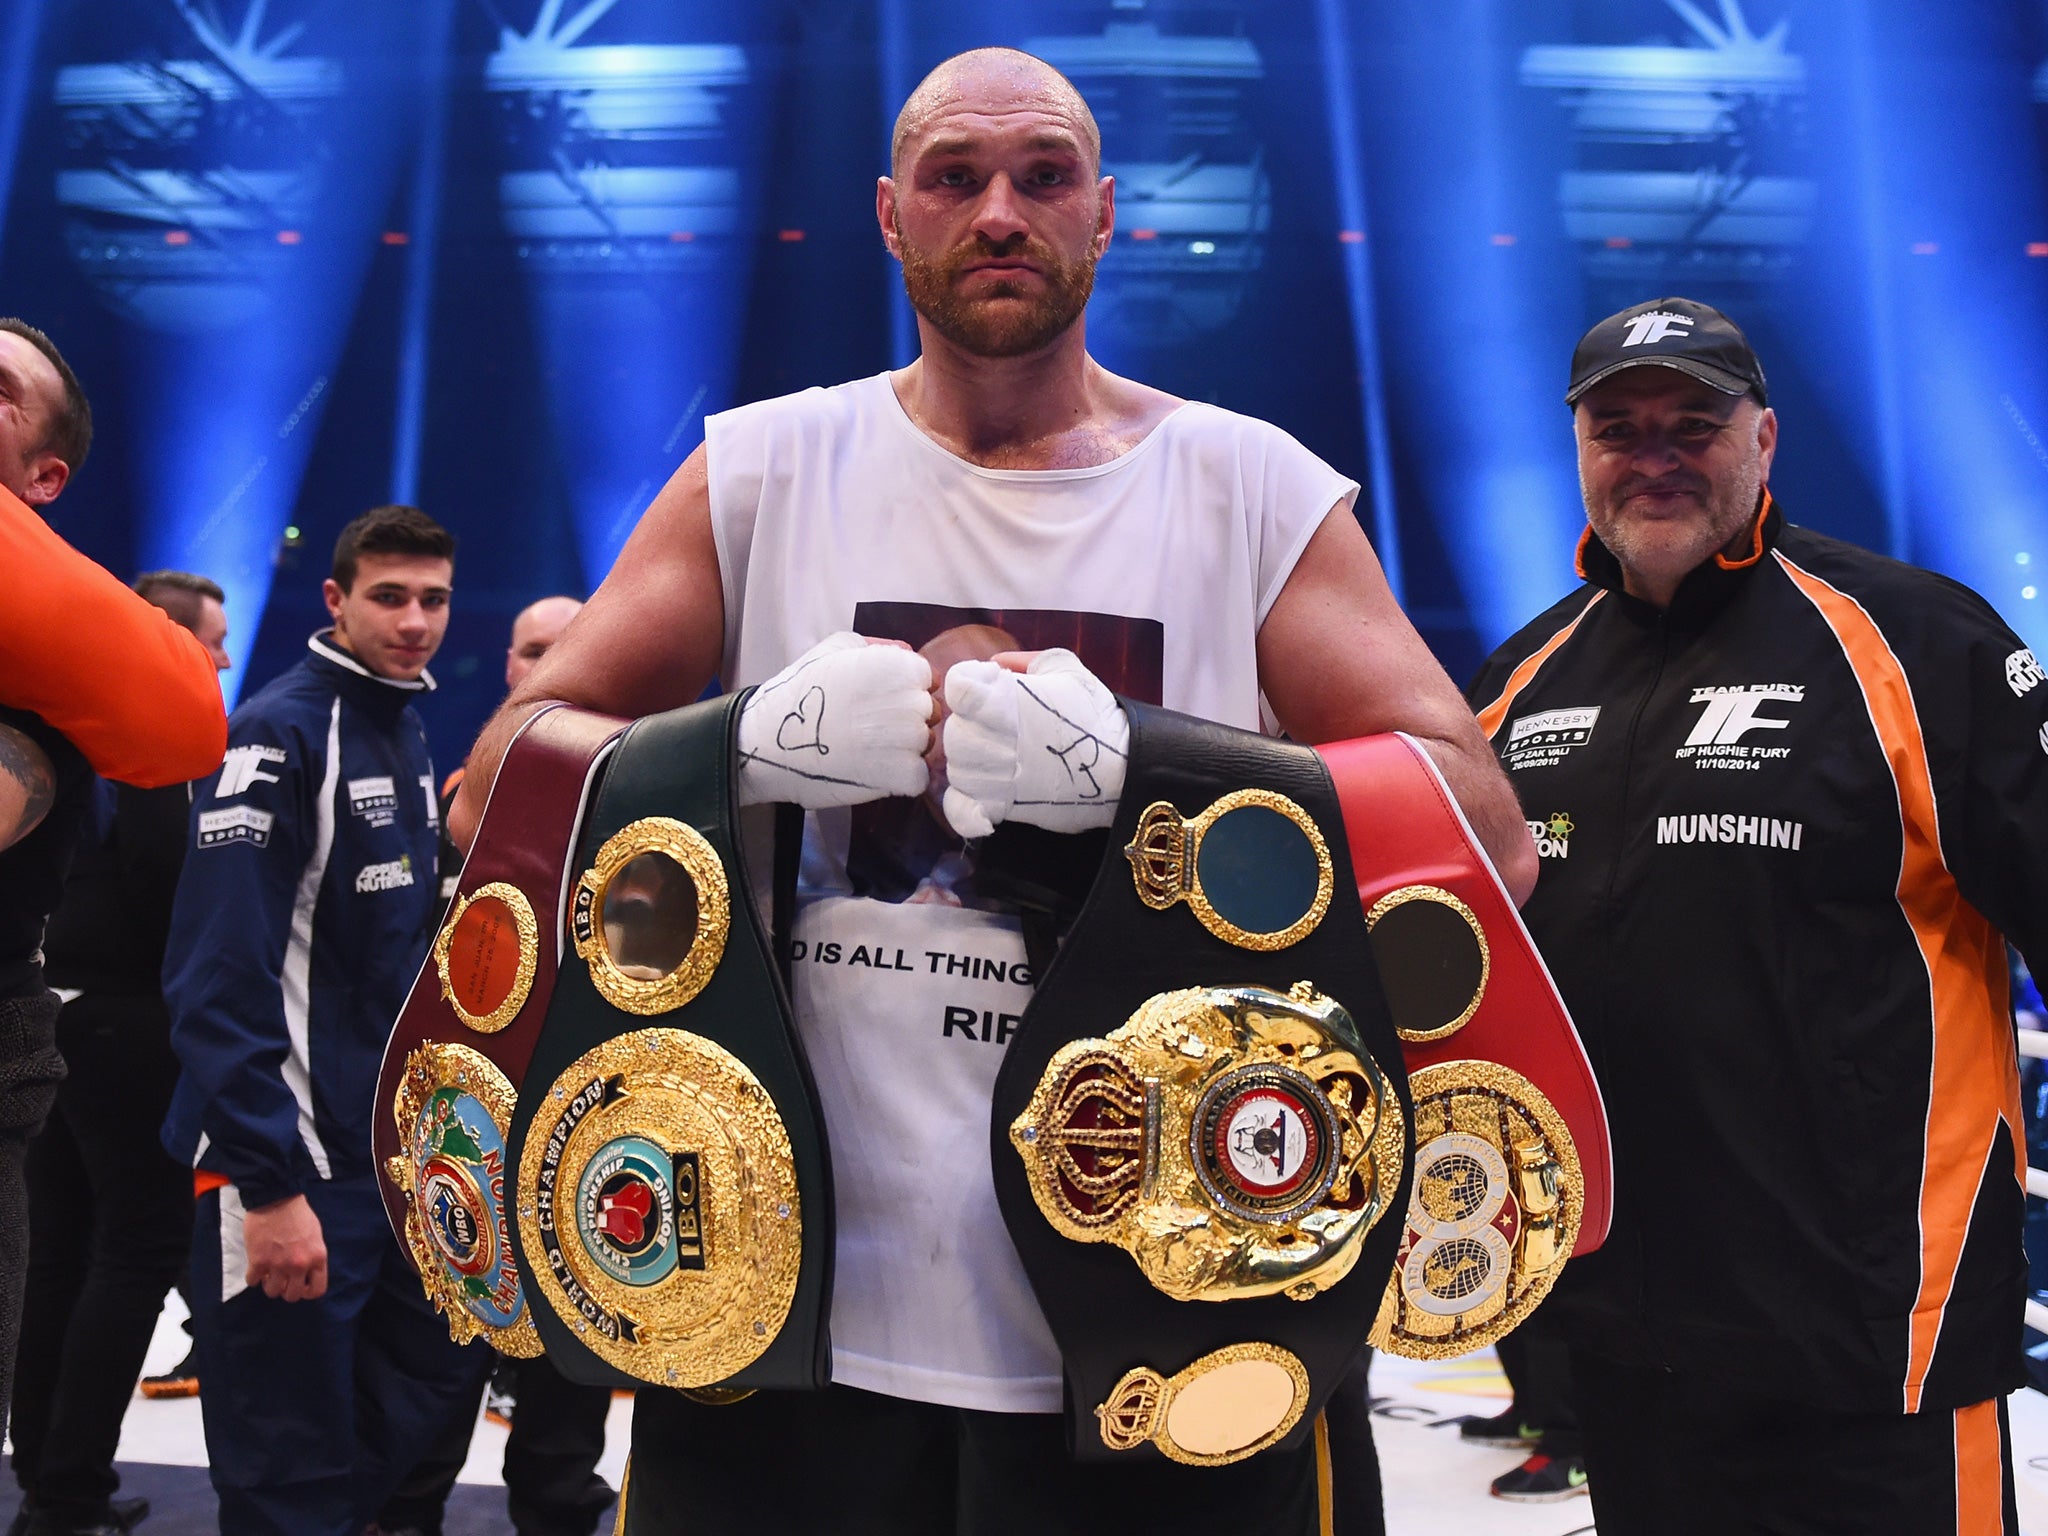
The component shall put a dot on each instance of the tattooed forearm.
(28, 785)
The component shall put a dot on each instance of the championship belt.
(674, 1198)
(457, 1055)
(1512, 1164)
(1201, 1125)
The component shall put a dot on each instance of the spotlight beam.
(1355, 215)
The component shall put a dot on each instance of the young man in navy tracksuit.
(304, 910)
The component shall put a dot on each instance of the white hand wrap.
(844, 723)
(1045, 747)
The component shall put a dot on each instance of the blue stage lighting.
(1668, 189)
(1478, 299)
(629, 194)
(1929, 339)
(1334, 34)
(222, 201)
(17, 69)
(423, 242)
(1190, 172)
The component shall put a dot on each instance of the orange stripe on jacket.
(1966, 975)
(1491, 716)
(133, 691)
(1980, 1471)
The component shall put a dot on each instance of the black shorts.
(843, 1462)
(1677, 1455)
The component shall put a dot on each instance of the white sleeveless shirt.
(832, 510)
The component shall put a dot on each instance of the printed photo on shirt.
(902, 850)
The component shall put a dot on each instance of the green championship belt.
(1203, 1121)
(674, 1197)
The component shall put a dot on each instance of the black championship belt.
(674, 1197)
(1512, 1166)
(458, 1053)
(1202, 1125)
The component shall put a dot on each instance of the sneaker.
(499, 1402)
(181, 1380)
(1506, 1430)
(1543, 1480)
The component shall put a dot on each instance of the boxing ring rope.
(2034, 1043)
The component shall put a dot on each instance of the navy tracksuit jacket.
(304, 911)
(302, 916)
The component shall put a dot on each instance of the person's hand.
(1045, 745)
(287, 1250)
(846, 722)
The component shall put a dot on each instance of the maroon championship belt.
(460, 1049)
(1513, 1171)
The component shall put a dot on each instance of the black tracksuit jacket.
(1786, 826)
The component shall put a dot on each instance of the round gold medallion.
(1227, 1405)
(1492, 1217)
(1253, 867)
(658, 1198)
(651, 915)
(485, 955)
(454, 1110)
(1433, 960)
(1235, 1141)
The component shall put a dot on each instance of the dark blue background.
(1380, 223)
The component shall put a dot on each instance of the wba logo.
(385, 877)
(2023, 674)
(1553, 837)
(1757, 831)
(1656, 325)
(242, 769)
(236, 824)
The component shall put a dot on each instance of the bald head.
(994, 80)
(538, 626)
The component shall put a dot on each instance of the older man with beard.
(1003, 478)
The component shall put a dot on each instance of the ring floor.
(1434, 1481)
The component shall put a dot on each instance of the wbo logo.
(1656, 325)
(1553, 836)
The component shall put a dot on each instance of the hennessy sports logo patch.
(374, 799)
(236, 824)
(1537, 741)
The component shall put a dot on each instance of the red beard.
(1002, 320)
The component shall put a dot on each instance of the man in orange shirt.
(154, 719)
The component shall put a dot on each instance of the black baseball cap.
(1694, 338)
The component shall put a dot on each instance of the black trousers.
(843, 1462)
(30, 1070)
(1537, 1362)
(110, 1220)
(1670, 1455)
(551, 1482)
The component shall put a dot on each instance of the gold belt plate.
(1235, 1141)
(1229, 1404)
(658, 1196)
(454, 1112)
(1493, 1216)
